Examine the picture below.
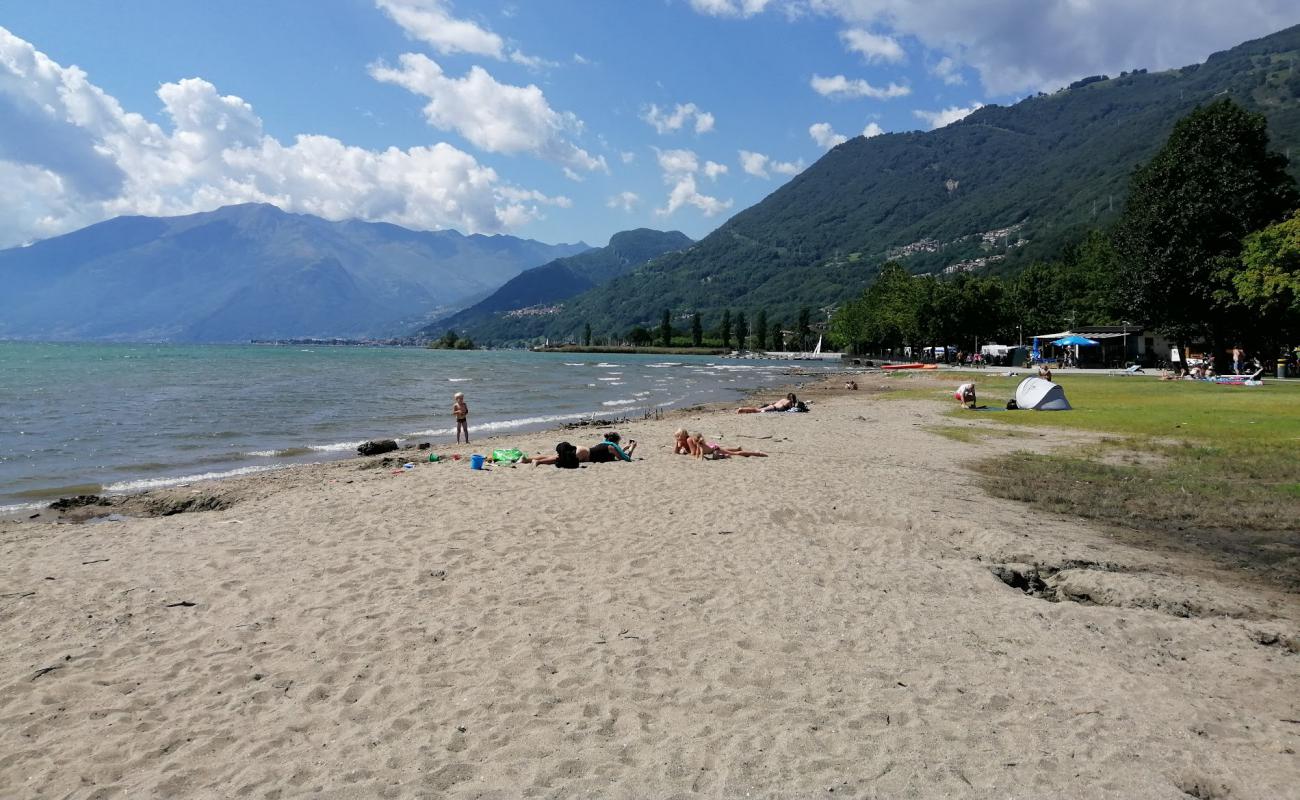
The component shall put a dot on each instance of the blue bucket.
(476, 462)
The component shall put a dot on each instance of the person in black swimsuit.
(609, 450)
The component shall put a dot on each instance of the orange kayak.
(910, 366)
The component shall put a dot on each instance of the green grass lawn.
(1217, 467)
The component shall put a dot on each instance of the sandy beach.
(836, 620)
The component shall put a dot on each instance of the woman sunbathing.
(784, 404)
(610, 450)
(682, 443)
(580, 454)
(702, 449)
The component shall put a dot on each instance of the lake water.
(90, 418)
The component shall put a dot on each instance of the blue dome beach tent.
(1036, 394)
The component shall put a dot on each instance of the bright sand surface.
(823, 622)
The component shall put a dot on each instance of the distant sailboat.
(818, 349)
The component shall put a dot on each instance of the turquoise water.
(125, 417)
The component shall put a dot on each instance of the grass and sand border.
(1177, 463)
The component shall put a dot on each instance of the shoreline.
(165, 493)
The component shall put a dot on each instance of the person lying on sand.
(562, 456)
(784, 404)
(703, 449)
(610, 450)
(852, 386)
(682, 443)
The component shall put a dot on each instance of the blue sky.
(553, 119)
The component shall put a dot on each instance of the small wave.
(619, 402)
(282, 453)
(20, 508)
(664, 365)
(435, 432)
(337, 447)
(572, 364)
(459, 380)
(640, 394)
(606, 366)
(613, 373)
(607, 379)
(158, 483)
(510, 424)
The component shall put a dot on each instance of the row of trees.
(451, 341)
(1207, 249)
(733, 330)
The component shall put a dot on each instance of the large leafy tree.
(1268, 283)
(1213, 182)
(742, 331)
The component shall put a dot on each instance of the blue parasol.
(1074, 339)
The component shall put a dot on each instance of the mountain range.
(250, 271)
(998, 189)
(520, 309)
(994, 191)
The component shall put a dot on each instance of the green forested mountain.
(535, 290)
(997, 190)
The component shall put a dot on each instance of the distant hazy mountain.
(1000, 188)
(249, 271)
(555, 282)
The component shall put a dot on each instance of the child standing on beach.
(460, 410)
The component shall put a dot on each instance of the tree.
(697, 330)
(666, 330)
(777, 338)
(1213, 182)
(760, 330)
(805, 327)
(742, 331)
(726, 329)
(448, 339)
(1268, 283)
(640, 337)
(586, 335)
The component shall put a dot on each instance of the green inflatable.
(508, 456)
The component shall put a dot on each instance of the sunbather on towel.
(784, 404)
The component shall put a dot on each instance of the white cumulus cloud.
(493, 116)
(825, 136)
(70, 155)
(730, 8)
(873, 47)
(947, 116)
(665, 121)
(679, 168)
(946, 69)
(840, 86)
(627, 201)
(431, 22)
(761, 166)
(872, 129)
